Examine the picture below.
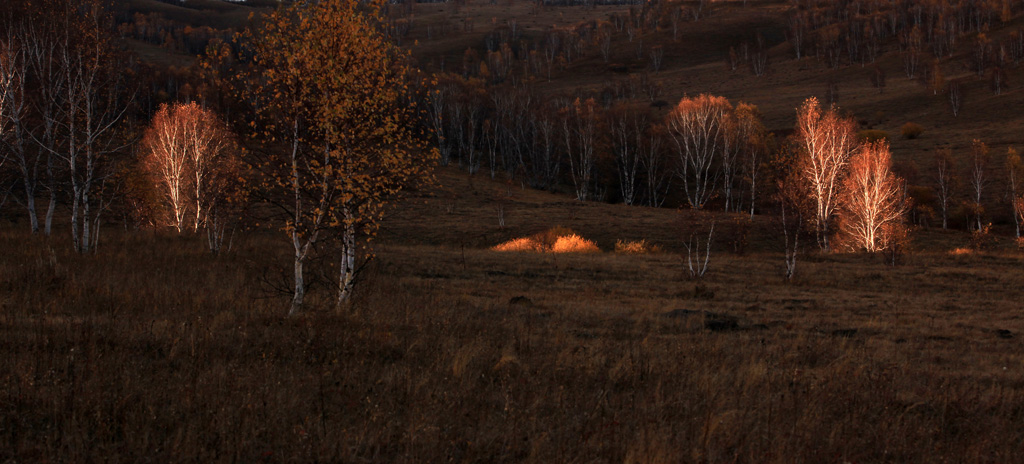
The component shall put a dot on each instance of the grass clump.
(554, 240)
(574, 244)
(635, 247)
(520, 244)
(911, 131)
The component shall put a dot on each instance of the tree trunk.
(753, 194)
(823, 236)
(300, 287)
(30, 205)
(86, 236)
(48, 225)
(348, 261)
(52, 188)
(300, 251)
(76, 200)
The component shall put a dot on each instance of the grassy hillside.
(217, 14)
(695, 63)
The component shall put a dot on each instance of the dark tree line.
(604, 148)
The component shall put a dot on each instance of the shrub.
(554, 240)
(635, 247)
(548, 238)
(911, 131)
(873, 135)
(574, 244)
(983, 239)
(520, 244)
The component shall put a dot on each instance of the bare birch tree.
(33, 92)
(1014, 184)
(955, 96)
(628, 128)
(93, 104)
(579, 129)
(697, 127)
(11, 90)
(792, 196)
(979, 179)
(755, 136)
(547, 159)
(743, 131)
(946, 182)
(439, 101)
(656, 164)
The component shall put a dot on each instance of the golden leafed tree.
(873, 205)
(333, 118)
(827, 141)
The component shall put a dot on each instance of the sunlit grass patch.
(961, 251)
(574, 244)
(521, 244)
(555, 240)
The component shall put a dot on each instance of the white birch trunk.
(347, 271)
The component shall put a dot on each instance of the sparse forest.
(542, 231)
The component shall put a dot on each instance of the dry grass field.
(454, 352)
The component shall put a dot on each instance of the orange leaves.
(697, 126)
(873, 203)
(192, 159)
(828, 140)
(326, 86)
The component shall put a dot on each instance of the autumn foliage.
(326, 84)
(873, 205)
(827, 140)
(193, 160)
(698, 127)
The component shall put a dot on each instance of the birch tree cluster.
(705, 148)
(848, 33)
(332, 114)
(972, 188)
(508, 56)
(65, 96)
(847, 181)
(193, 161)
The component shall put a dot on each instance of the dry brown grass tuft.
(911, 130)
(520, 244)
(636, 247)
(574, 244)
(555, 240)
